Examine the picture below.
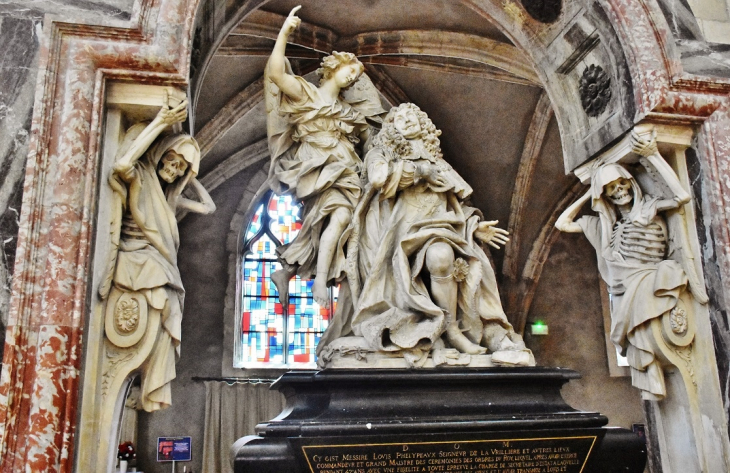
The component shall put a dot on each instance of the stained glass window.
(263, 323)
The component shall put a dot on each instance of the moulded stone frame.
(40, 387)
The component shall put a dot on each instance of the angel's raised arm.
(276, 68)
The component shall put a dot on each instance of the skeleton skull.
(619, 191)
(172, 165)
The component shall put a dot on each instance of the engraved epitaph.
(538, 455)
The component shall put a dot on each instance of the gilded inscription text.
(543, 455)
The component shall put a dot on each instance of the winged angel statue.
(313, 132)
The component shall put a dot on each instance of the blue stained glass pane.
(256, 278)
(263, 248)
(262, 347)
(284, 213)
(302, 346)
(262, 315)
(262, 320)
(255, 224)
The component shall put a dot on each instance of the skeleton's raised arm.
(165, 117)
(203, 206)
(566, 221)
(649, 151)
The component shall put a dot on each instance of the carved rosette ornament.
(126, 316)
(678, 320)
(461, 269)
(595, 90)
(544, 11)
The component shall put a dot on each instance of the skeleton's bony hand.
(292, 21)
(488, 233)
(179, 186)
(170, 116)
(644, 147)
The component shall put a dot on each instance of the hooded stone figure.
(142, 275)
(643, 284)
(640, 257)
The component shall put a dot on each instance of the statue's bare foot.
(415, 357)
(518, 341)
(498, 338)
(320, 292)
(281, 279)
(459, 341)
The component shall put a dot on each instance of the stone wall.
(713, 18)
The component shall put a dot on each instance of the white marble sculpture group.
(383, 217)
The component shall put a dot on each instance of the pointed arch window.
(263, 324)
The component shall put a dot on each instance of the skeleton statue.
(142, 280)
(643, 257)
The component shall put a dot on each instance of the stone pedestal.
(456, 419)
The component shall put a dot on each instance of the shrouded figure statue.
(148, 179)
(641, 257)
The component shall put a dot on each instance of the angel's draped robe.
(322, 171)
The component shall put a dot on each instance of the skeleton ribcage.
(635, 242)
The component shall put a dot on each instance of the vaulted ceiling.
(499, 131)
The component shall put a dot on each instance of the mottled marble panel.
(680, 19)
(39, 389)
(68, 9)
(712, 272)
(705, 59)
(18, 70)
